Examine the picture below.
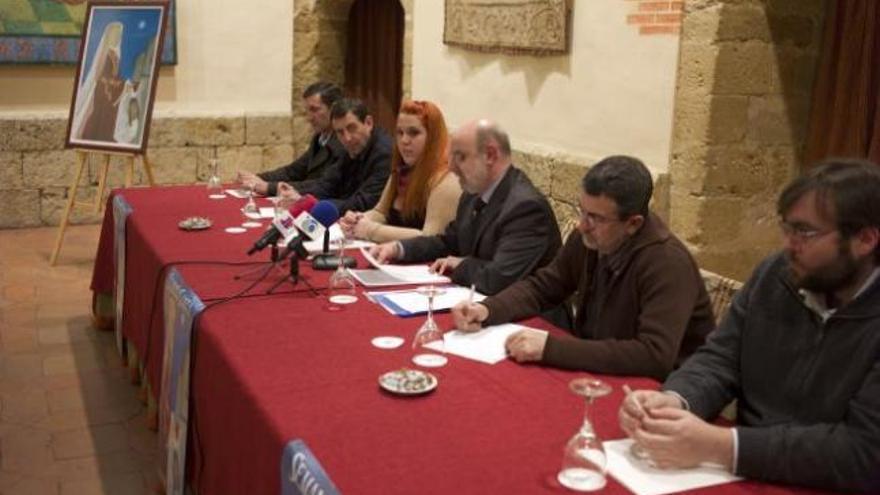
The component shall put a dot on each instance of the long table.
(272, 368)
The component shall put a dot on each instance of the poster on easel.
(116, 76)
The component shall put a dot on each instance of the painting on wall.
(49, 32)
(116, 76)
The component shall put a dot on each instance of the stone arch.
(319, 28)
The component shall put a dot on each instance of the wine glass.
(429, 332)
(342, 284)
(250, 211)
(215, 187)
(584, 463)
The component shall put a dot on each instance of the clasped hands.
(671, 436)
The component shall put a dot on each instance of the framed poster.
(48, 32)
(116, 76)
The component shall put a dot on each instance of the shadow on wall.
(535, 70)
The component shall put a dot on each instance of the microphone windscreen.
(305, 203)
(326, 213)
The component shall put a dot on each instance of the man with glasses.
(503, 229)
(641, 305)
(799, 350)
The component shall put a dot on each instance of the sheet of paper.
(412, 302)
(406, 274)
(316, 246)
(267, 212)
(486, 346)
(642, 479)
(237, 193)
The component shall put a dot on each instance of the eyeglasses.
(802, 233)
(590, 218)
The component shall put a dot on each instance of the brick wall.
(653, 17)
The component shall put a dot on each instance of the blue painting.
(116, 77)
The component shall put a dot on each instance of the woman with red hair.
(421, 196)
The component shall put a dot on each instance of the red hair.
(431, 167)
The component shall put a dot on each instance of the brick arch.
(319, 28)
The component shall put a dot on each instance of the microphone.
(283, 226)
(326, 214)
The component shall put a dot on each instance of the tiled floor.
(70, 420)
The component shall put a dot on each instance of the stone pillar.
(745, 76)
(319, 52)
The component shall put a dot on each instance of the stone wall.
(560, 178)
(36, 170)
(743, 91)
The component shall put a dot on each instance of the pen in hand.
(631, 397)
(471, 294)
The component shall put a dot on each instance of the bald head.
(479, 154)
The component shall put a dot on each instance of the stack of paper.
(411, 302)
(642, 479)
(486, 346)
(385, 274)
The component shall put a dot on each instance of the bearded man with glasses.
(640, 303)
(799, 350)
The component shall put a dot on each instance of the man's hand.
(251, 181)
(675, 438)
(634, 408)
(526, 345)
(468, 316)
(385, 252)
(443, 265)
(348, 221)
(287, 192)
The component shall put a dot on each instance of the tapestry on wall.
(49, 32)
(534, 27)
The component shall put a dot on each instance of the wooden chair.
(721, 293)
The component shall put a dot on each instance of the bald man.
(504, 228)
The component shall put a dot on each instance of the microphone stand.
(293, 277)
(274, 258)
(327, 261)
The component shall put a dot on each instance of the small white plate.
(430, 360)
(252, 225)
(217, 196)
(343, 299)
(408, 382)
(387, 342)
(236, 230)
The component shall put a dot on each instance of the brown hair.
(431, 167)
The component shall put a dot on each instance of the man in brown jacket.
(641, 305)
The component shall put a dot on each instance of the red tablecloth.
(269, 369)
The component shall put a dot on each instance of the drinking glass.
(342, 284)
(429, 332)
(215, 186)
(584, 463)
(250, 211)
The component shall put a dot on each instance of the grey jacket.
(808, 391)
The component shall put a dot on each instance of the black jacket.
(514, 234)
(308, 168)
(356, 183)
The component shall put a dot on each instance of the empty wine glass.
(215, 186)
(429, 332)
(250, 211)
(584, 463)
(342, 284)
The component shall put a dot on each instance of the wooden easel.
(97, 204)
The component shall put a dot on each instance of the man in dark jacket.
(324, 149)
(641, 305)
(504, 228)
(799, 350)
(355, 182)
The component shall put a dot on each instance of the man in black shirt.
(324, 149)
(355, 181)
